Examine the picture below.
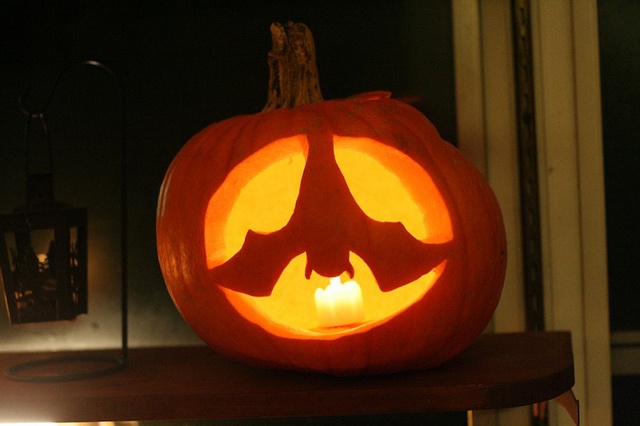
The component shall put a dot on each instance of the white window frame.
(571, 176)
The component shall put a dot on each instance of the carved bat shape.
(328, 224)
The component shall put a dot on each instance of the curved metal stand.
(40, 370)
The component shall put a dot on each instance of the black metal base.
(44, 370)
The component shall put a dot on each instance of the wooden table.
(170, 383)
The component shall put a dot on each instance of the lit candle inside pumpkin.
(339, 304)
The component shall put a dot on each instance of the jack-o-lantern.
(340, 236)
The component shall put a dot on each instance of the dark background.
(620, 75)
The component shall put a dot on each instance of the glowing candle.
(339, 304)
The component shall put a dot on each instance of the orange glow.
(291, 306)
(260, 194)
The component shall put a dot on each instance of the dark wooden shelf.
(170, 383)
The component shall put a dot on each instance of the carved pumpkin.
(258, 214)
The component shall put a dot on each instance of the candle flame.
(339, 304)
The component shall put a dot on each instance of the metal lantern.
(44, 257)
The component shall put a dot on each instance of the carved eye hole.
(390, 187)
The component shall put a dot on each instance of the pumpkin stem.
(293, 75)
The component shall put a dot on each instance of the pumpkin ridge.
(490, 209)
(245, 142)
(435, 170)
(354, 110)
(217, 133)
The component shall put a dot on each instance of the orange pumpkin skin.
(428, 333)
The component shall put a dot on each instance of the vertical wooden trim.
(592, 213)
(502, 166)
(468, 81)
(501, 150)
(572, 198)
(485, 102)
(470, 113)
(559, 196)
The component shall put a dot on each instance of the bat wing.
(255, 269)
(395, 257)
